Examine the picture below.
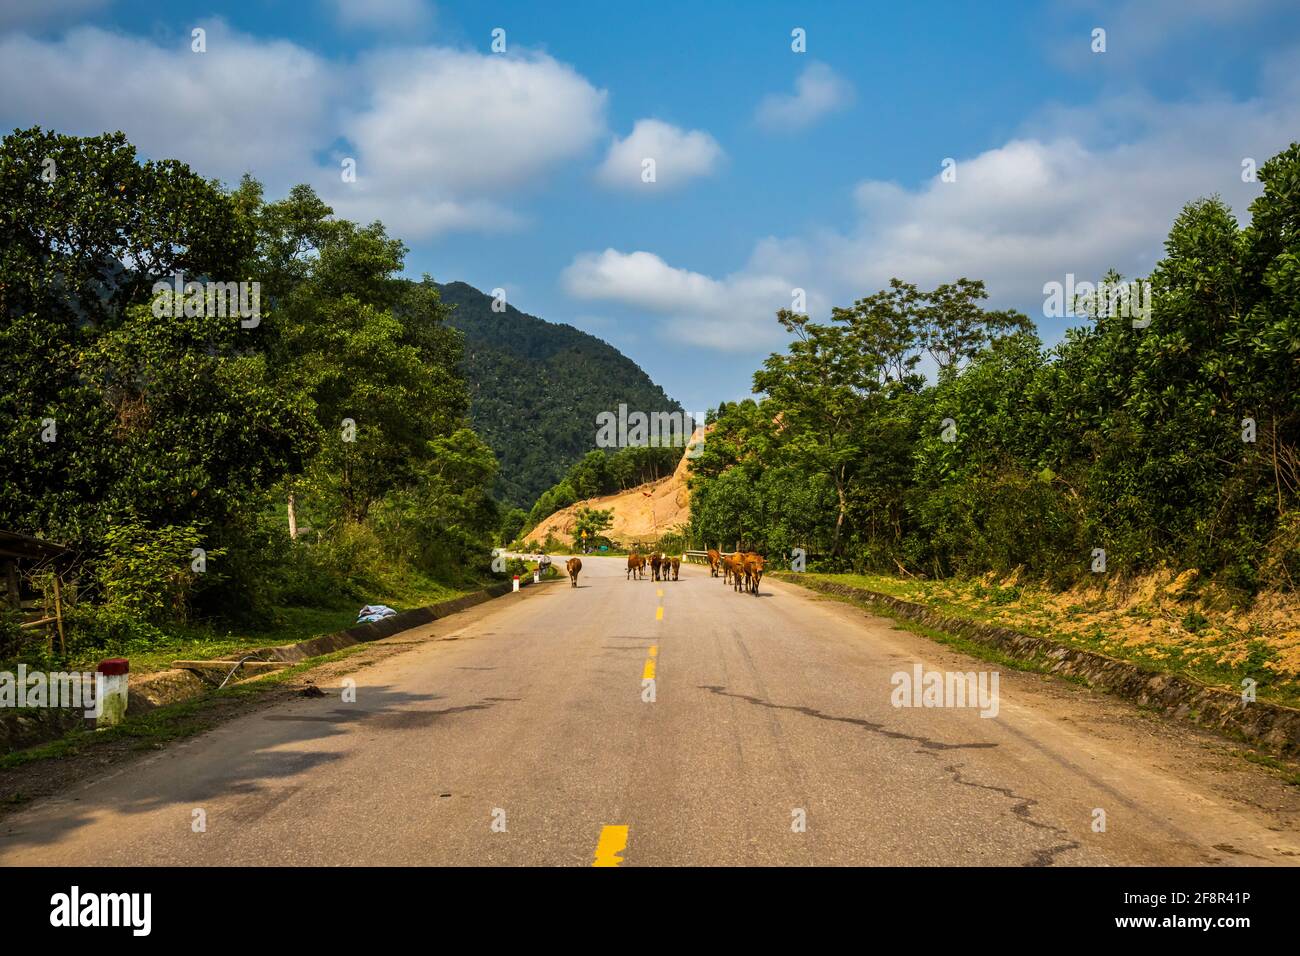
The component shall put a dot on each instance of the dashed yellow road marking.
(654, 650)
(649, 672)
(659, 613)
(612, 842)
(661, 592)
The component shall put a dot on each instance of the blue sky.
(775, 170)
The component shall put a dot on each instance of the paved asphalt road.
(768, 710)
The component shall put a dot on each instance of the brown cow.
(655, 562)
(733, 568)
(738, 580)
(635, 565)
(676, 563)
(743, 558)
(573, 566)
(715, 559)
(753, 572)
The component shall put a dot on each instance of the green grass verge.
(289, 625)
(1001, 606)
(1287, 772)
(974, 649)
(169, 722)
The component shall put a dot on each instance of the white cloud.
(679, 156)
(1077, 190)
(30, 14)
(444, 133)
(383, 14)
(440, 137)
(1081, 191)
(1137, 29)
(818, 91)
(735, 313)
(244, 105)
(471, 121)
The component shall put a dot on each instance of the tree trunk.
(839, 518)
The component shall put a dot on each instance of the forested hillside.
(536, 388)
(1127, 447)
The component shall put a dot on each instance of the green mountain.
(536, 388)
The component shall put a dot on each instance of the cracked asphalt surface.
(517, 732)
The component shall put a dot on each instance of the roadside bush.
(997, 524)
(11, 635)
(672, 542)
(147, 573)
(110, 630)
(1280, 565)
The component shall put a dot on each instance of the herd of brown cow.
(743, 570)
(661, 566)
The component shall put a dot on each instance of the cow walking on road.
(635, 565)
(715, 561)
(676, 563)
(730, 565)
(656, 561)
(573, 566)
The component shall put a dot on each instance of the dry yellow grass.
(1163, 617)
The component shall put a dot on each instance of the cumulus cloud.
(817, 91)
(1083, 191)
(443, 132)
(679, 156)
(19, 15)
(244, 105)
(383, 14)
(1076, 191)
(1136, 29)
(734, 313)
(440, 137)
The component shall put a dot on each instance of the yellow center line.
(654, 650)
(612, 842)
(659, 613)
(649, 672)
(661, 592)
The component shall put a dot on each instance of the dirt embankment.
(641, 514)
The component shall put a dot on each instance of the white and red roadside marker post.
(116, 670)
(516, 582)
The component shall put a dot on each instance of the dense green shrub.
(182, 432)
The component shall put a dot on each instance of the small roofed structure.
(22, 552)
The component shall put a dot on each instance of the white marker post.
(516, 582)
(116, 670)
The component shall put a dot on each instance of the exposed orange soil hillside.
(641, 514)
